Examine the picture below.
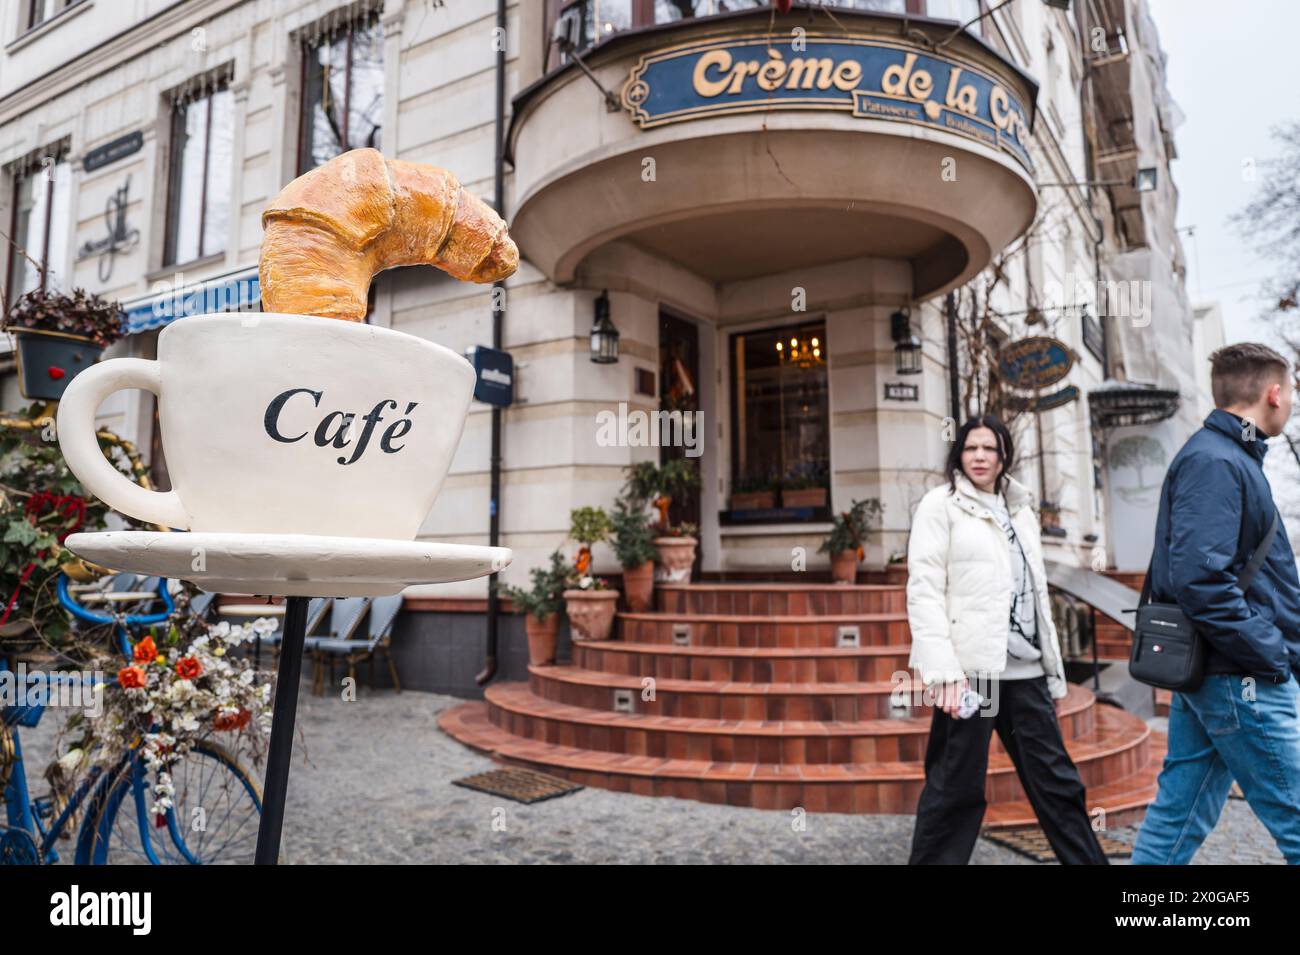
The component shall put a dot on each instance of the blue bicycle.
(216, 803)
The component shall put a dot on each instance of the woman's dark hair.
(1006, 450)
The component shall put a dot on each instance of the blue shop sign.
(1037, 362)
(495, 371)
(870, 78)
(236, 292)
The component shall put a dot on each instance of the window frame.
(735, 397)
(364, 18)
(59, 153)
(175, 157)
(29, 19)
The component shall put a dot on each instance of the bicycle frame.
(21, 811)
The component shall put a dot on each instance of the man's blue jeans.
(1216, 734)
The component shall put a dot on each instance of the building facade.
(816, 232)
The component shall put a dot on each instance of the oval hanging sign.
(1035, 362)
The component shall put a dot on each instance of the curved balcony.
(737, 154)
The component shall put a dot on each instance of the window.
(780, 408)
(343, 90)
(199, 180)
(597, 20)
(38, 11)
(42, 186)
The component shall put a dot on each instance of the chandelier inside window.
(803, 352)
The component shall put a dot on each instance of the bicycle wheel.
(216, 809)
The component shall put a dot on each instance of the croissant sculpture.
(333, 228)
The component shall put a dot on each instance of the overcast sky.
(1234, 69)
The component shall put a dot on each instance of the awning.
(233, 292)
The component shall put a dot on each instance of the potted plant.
(541, 605)
(677, 552)
(58, 336)
(753, 493)
(589, 601)
(848, 537)
(633, 541)
(587, 526)
(676, 543)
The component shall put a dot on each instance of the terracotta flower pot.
(591, 613)
(753, 500)
(844, 567)
(896, 573)
(541, 638)
(804, 497)
(639, 586)
(676, 555)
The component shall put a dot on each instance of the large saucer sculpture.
(305, 446)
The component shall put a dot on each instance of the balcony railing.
(590, 22)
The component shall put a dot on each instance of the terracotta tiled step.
(743, 664)
(770, 702)
(513, 708)
(1114, 642)
(1162, 700)
(780, 599)
(1124, 800)
(733, 630)
(856, 788)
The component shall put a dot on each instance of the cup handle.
(76, 432)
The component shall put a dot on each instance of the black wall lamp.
(907, 347)
(604, 336)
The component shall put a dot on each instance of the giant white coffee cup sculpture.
(305, 447)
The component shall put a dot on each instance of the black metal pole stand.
(282, 720)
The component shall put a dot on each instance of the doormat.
(519, 784)
(1032, 842)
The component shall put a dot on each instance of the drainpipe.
(498, 317)
(954, 379)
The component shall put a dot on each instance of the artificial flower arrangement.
(176, 690)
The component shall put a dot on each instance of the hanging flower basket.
(60, 335)
(47, 361)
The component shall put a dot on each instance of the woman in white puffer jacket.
(978, 611)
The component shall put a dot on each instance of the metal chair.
(318, 609)
(345, 618)
(378, 636)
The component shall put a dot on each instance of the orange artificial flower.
(145, 651)
(584, 561)
(232, 721)
(188, 668)
(859, 552)
(131, 678)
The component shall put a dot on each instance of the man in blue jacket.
(1242, 723)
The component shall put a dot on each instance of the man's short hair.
(1239, 374)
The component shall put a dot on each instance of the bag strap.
(1243, 579)
(1257, 558)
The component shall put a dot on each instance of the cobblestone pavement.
(371, 782)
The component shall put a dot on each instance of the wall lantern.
(604, 336)
(907, 347)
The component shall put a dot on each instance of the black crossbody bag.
(1167, 650)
